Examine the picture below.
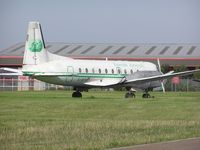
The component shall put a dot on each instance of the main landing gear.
(130, 93)
(77, 94)
(146, 94)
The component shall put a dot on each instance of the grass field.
(100, 120)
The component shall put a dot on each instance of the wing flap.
(104, 82)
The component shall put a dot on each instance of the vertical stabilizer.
(35, 52)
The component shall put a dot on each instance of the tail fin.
(35, 52)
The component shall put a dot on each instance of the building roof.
(178, 52)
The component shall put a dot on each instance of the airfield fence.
(28, 84)
(23, 83)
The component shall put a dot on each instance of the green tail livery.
(36, 46)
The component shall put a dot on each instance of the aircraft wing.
(104, 82)
(159, 77)
(197, 80)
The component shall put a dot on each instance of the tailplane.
(35, 52)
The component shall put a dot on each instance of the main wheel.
(146, 95)
(133, 95)
(129, 95)
(77, 94)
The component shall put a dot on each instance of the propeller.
(159, 69)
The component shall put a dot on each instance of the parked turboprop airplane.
(84, 74)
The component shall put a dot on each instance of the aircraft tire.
(146, 95)
(129, 95)
(77, 94)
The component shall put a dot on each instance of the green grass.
(100, 120)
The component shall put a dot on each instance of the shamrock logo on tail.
(36, 46)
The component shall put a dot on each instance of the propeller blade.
(159, 69)
(159, 66)
(163, 87)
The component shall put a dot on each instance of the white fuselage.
(72, 72)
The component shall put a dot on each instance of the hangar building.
(173, 54)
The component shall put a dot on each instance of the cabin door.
(70, 72)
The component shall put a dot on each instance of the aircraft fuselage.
(72, 72)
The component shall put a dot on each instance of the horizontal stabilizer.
(11, 72)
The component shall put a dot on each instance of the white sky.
(102, 21)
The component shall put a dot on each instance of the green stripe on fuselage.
(93, 75)
(84, 75)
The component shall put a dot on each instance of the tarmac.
(186, 144)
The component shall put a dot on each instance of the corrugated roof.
(119, 50)
(191, 50)
(114, 50)
(74, 49)
(162, 52)
(132, 50)
(106, 49)
(88, 49)
(150, 50)
(178, 49)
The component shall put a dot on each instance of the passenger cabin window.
(86, 70)
(99, 71)
(113, 71)
(131, 71)
(125, 72)
(93, 70)
(79, 70)
(106, 71)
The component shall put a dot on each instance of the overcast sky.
(102, 21)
